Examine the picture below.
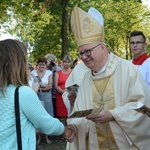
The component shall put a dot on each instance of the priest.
(114, 85)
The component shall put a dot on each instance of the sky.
(147, 2)
(4, 35)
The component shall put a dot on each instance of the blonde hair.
(66, 57)
(13, 64)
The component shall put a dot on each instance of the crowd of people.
(117, 88)
(51, 79)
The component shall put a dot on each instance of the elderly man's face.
(92, 55)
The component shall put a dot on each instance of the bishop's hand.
(103, 117)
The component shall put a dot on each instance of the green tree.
(121, 18)
(45, 25)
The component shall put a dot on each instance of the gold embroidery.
(103, 96)
(87, 25)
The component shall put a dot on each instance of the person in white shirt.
(44, 92)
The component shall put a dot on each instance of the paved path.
(55, 145)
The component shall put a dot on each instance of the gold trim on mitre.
(86, 28)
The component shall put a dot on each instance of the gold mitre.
(87, 27)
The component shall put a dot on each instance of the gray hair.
(51, 57)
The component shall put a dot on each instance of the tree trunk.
(65, 28)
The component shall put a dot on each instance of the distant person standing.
(60, 80)
(140, 59)
(52, 59)
(44, 93)
(53, 67)
(45, 77)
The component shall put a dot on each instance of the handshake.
(69, 133)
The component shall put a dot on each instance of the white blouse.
(45, 77)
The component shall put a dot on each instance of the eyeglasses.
(41, 64)
(136, 43)
(87, 52)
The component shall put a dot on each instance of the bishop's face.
(93, 55)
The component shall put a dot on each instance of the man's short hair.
(136, 33)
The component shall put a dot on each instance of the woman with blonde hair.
(60, 80)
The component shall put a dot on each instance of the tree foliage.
(121, 18)
(45, 25)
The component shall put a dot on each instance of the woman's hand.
(46, 87)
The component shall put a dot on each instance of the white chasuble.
(125, 88)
